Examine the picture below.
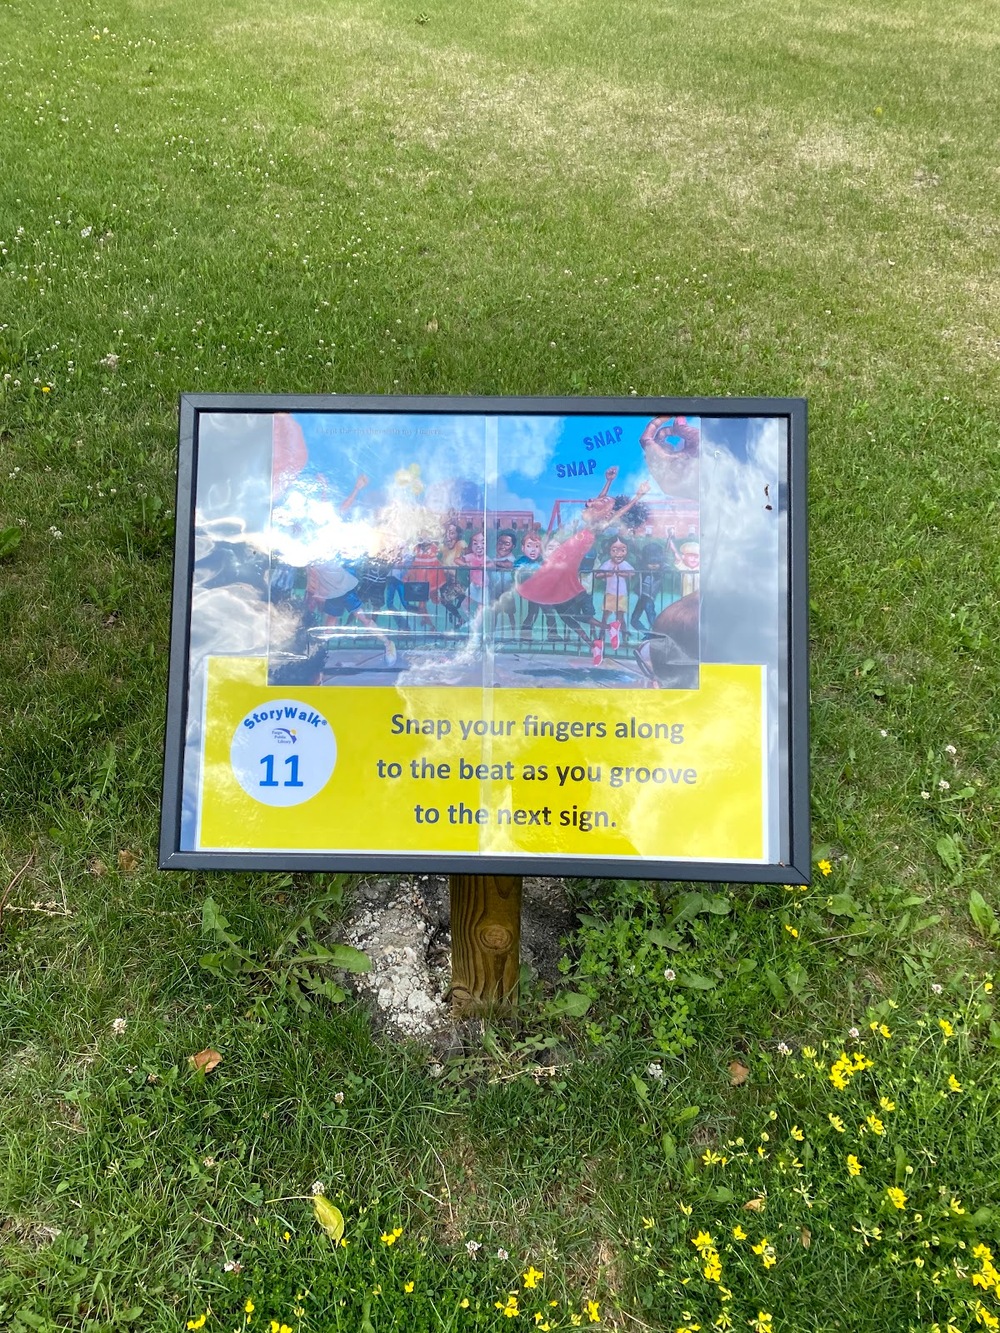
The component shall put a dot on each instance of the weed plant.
(745, 1108)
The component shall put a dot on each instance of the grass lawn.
(794, 199)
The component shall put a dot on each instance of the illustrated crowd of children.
(590, 586)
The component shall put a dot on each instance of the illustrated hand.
(610, 474)
(642, 489)
(648, 436)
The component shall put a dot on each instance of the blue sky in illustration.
(526, 462)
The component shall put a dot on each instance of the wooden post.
(485, 939)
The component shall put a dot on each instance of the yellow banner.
(664, 774)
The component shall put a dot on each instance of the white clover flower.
(669, 974)
(944, 785)
(472, 1246)
(854, 1034)
(502, 1254)
(655, 1070)
(950, 749)
(784, 1048)
(318, 1187)
(338, 1097)
(925, 795)
(120, 1024)
(936, 987)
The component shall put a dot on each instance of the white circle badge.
(283, 752)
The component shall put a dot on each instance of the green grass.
(568, 198)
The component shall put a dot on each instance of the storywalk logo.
(283, 752)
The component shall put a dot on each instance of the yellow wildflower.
(875, 1124)
(953, 1084)
(808, 1053)
(988, 1278)
(946, 1027)
(796, 1134)
(986, 1317)
(592, 1315)
(956, 1207)
(842, 1071)
(988, 987)
(886, 1104)
(464, 1303)
(766, 1250)
(390, 1237)
(824, 867)
(792, 931)
(853, 1165)
(739, 1233)
(249, 1307)
(576, 1320)
(711, 1158)
(703, 1241)
(686, 1209)
(199, 1322)
(762, 1324)
(648, 1222)
(408, 1288)
(896, 1197)
(724, 1321)
(531, 1276)
(884, 1031)
(836, 1122)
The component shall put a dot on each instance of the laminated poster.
(510, 635)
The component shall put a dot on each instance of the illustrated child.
(650, 587)
(474, 559)
(398, 561)
(687, 560)
(425, 567)
(502, 579)
(451, 594)
(526, 563)
(615, 573)
(453, 548)
(557, 583)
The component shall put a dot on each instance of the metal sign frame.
(241, 572)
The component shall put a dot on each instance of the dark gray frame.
(796, 761)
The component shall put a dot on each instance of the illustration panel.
(542, 551)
